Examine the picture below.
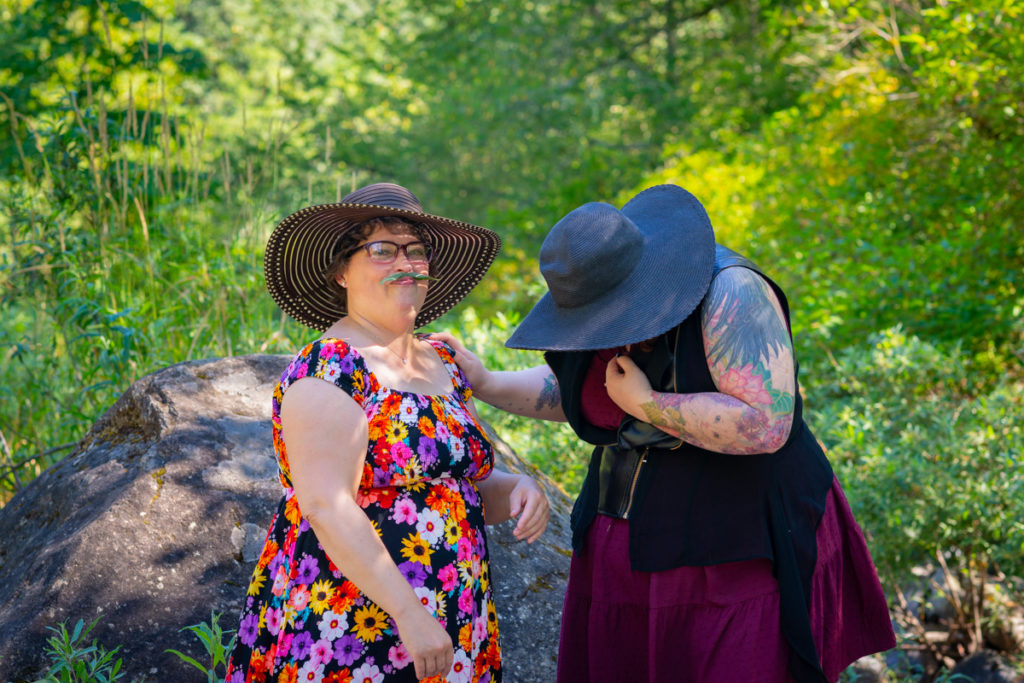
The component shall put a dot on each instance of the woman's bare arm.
(326, 457)
(532, 392)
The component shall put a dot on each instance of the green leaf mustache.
(400, 276)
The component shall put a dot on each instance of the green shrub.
(931, 454)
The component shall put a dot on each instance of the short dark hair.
(349, 242)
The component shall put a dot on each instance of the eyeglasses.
(383, 251)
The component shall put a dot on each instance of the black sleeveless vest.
(693, 507)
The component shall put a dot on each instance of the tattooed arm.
(532, 392)
(750, 356)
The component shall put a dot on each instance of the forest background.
(868, 155)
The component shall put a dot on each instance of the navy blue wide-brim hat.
(620, 277)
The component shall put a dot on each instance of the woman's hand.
(467, 361)
(426, 641)
(528, 502)
(628, 386)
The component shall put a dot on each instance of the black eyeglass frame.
(399, 248)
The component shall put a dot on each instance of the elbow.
(320, 511)
(777, 434)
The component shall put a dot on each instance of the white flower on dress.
(331, 370)
(458, 449)
(408, 412)
(430, 525)
(312, 672)
(462, 668)
(333, 626)
(368, 673)
(428, 598)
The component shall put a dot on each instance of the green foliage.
(890, 194)
(932, 459)
(76, 662)
(212, 637)
(935, 460)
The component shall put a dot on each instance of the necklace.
(379, 341)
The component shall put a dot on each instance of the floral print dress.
(302, 619)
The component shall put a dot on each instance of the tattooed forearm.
(549, 395)
(714, 422)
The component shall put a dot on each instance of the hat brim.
(301, 247)
(666, 286)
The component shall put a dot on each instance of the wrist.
(642, 407)
(409, 609)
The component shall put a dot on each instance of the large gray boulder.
(158, 516)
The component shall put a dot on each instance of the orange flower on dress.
(344, 597)
(257, 667)
(466, 637)
(289, 674)
(270, 549)
(426, 426)
(389, 406)
(378, 427)
(343, 676)
(292, 512)
(493, 654)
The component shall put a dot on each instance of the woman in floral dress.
(375, 567)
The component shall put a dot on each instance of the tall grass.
(130, 242)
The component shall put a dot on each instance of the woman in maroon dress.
(711, 539)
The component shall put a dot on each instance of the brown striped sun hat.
(302, 245)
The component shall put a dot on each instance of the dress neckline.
(369, 371)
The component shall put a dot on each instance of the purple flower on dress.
(346, 365)
(237, 677)
(249, 629)
(301, 646)
(414, 572)
(347, 650)
(308, 570)
(274, 563)
(469, 491)
(427, 450)
(381, 477)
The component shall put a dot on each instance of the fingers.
(428, 644)
(438, 665)
(516, 503)
(447, 338)
(535, 514)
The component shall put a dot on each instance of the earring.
(344, 284)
